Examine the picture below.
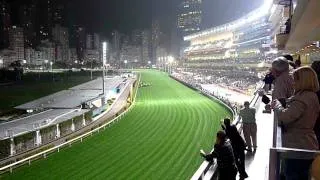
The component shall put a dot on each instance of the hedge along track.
(159, 139)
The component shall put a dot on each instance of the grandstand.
(238, 53)
(246, 40)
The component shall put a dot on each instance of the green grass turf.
(159, 139)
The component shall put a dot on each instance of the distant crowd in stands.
(235, 61)
(238, 79)
(195, 83)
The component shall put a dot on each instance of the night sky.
(103, 16)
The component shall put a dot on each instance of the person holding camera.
(297, 120)
(283, 83)
(223, 152)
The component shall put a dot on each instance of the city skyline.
(125, 16)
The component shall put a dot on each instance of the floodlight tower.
(104, 63)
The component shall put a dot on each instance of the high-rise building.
(60, 36)
(136, 37)
(155, 40)
(189, 17)
(5, 24)
(78, 40)
(146, 47)
(73, 55)
(89, 41)
(28, 18)
(96, 41)
(16, 41)
(92, 52)
(58, 13)
(115, 47)
(44, 23)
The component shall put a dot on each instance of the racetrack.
(159, 139)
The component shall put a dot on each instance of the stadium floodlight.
(104, 53)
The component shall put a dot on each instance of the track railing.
(80, 138)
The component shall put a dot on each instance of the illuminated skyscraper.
(189, 17)
(5, 24)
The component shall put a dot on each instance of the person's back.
(225, 158)
(237, 141)
(248, 115)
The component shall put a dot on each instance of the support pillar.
(58, 131)
(72, 126)
(38, 138)
(12, 147)
(83, 121)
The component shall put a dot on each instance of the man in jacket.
(248, 116)
(238, 146)
(223, 152)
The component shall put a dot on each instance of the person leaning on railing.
(238, 146)
(297, 120)
(225, 159)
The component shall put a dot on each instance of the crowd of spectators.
(244, 59)
(238, 79)
(188, 78)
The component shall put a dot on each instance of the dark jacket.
(224, 155)
(237, 141)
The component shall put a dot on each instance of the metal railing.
(80, 138)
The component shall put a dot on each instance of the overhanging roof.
(305, 28)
